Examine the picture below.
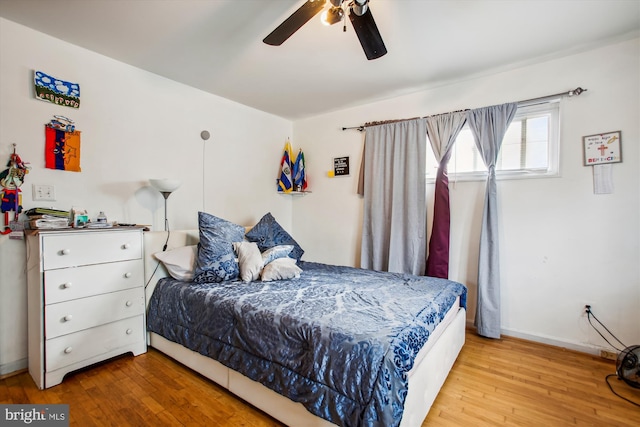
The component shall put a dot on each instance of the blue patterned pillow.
(267, 233)
(276, 252)
(216, 260)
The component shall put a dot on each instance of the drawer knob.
(68, 317)
(67, 285)
(128, 303)
(65, 252)
(68, 350)
(126, 246)
(129, 331)
(127, 275)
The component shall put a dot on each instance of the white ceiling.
(216, 45)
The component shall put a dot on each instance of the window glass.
(529, 148)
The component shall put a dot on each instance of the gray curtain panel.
(488, 126)
(442, 131)
(394, 223)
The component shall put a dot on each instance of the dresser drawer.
(71, 250)
(72, 316)
(72, 283)
(72, 348)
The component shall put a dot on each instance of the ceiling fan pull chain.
(344, 19)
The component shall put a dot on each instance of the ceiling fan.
(359, 14)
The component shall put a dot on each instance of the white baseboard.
(17, 365)
(581, 347)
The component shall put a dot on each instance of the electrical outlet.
(584, 308)
(611, 355)
(44, 192)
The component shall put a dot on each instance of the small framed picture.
(341, 166)
(602, 148)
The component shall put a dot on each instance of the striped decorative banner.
(62, 149)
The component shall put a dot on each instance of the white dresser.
(85, 297)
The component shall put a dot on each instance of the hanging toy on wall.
(11, 180)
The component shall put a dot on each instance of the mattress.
(341, 341)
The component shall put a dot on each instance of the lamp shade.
(165, 185)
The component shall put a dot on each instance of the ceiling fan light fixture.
(332, 16)
(360, 7)
(361, 18)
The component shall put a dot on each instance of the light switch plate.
(44, 192)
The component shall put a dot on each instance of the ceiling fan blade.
(368, 34)
(293, 23)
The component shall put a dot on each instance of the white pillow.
(279, 269)
(249, 259)
(179, 262)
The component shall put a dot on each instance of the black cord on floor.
(589, 315)
(614, 392)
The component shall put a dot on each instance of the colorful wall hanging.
(57, 91)
(62, 145)
(11, 180)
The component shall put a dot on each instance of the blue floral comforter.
(340, 340)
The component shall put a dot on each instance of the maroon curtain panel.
(442, 131)
(438, 254)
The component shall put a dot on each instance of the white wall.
(135, 125)
(561, 245)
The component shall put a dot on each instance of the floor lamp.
(165, 187)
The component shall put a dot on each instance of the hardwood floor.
(516, 382)
(494, 382)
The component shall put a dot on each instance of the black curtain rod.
(574, 92)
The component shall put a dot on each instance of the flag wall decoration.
(285, 178)
(299, 173)
(62, 149)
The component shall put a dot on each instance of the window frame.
(552, 107)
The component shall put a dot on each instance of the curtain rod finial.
(577, 91)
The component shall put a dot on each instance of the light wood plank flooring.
(494, 382)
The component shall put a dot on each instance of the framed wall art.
(56, 91)
(341, 166)
(602, 148)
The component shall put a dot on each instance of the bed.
(243, 373)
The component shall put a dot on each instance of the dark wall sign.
(341, 166)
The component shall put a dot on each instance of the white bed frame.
(430, 370)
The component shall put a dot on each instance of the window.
(530, 148)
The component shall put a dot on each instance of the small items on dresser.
(46, 218)
(79, 217)
(101, 222)
(46, 222)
